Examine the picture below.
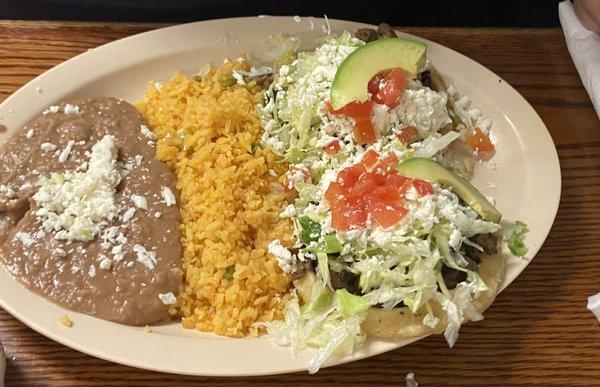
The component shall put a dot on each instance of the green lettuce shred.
(331, 244)
(350, 304)
(515, 239)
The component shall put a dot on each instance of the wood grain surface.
(537, 332)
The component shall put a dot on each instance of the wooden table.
(538, 331)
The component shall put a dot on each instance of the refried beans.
(130, 272)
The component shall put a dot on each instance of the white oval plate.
(527, 171)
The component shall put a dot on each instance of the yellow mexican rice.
(230, 200)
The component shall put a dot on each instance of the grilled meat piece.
(452, 277)
(489, 242)
(344, 280)
(302, 268)
(368, 34)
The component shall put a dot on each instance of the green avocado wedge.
(429, 170)
(355, 72)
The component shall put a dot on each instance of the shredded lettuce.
(455, 319)
(433, 144)
(458, 308)
(295, 156)
(330, 323)
(463, 218)
(55, 179)
(256, 71)
(344, 336)
(321, 302)
(453, 259)
(389, 296)
(350, 304)
(323, 267)
(515, 239)
(430, 320)
(414, 288)
(330, 245)
(441, 236)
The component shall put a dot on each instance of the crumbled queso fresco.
(147, 132)
(140, 202)
(78, 205)
(168, 196)
(64, 154)
(6, 190)
(48, 147)
(146, 258)
(282, 255)
(71, 109)
(51, 109)
(128, 215)
(168, 298)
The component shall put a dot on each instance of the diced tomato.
(423, 187)
(338, 222)
(378, 178)
(294, 175)
(384, 88)
(364, 132)
(363, 187)
(372, 188)
(373, 87)
(392, 86)
(370, 159)
(388, 163)
(346, 216)
(356, 215)
(479, 141)
(387, 88)
(397, 181)
(349, 176)
(384, 214)
(356, 109)
(407, 134)
(387, 194)
(335, 192)
(333, 147)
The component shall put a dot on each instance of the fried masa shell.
(401, 323)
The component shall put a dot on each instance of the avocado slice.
(429, 170)
(355, 72)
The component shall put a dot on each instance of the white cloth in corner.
(593, 305)
(584, 47)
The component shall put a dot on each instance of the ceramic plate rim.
(48, 326)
